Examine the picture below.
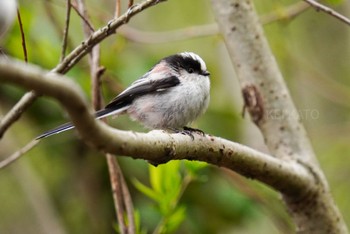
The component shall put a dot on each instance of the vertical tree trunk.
(272, 110)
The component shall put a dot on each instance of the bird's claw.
(189, 131)
(198, 131)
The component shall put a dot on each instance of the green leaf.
(166, 178)
(175, 219)
(146, 190)
(194, 167)
(155, 176)
(138, 223)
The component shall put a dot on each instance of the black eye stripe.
(189, 64)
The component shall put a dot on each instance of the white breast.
(175, 107)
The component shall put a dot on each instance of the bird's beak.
(205, 73)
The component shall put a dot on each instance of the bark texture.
(271, 108)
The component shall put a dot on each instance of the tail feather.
(59, 129)
(67, 126)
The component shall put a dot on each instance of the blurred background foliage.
(62, 186)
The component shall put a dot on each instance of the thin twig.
(286, 13)
(55, 22)
(81, 11)
(131, 3)
(319, 7)
(117, 8)
(128, 203)
(22, 36)
(100, 35)
(6, 162)
(81, 15)
(94, 57)
(15, 113)
(117, 192)
(66, 29)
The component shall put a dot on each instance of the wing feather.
(142, 87)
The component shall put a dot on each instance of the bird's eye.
(190, 70)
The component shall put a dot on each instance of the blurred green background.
(62, 186)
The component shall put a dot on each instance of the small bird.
(172, 94)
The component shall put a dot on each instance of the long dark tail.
(67, 126)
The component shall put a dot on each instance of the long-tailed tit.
(171, 95)
(7, 14)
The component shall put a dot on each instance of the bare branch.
(55, 21)
(94, 58)
(15, 113)
(127, 202)
(319, 7)
(83, 17)
(287, 13)
(73, 58)
(22, 36)
(66, 29)
(131, 3)
(117, 8)
(159, 146)
(115, 177)
(99, 35)
(18, 154)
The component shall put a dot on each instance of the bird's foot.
(188, 131)
(195, 130)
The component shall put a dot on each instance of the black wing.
(142, 87)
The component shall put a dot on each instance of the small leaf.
(175, 219)
(137, 217)
(147, 191)
(194, 167)
(155, 177)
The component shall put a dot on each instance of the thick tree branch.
(159, 146)
(74, 57)
(271, 108)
